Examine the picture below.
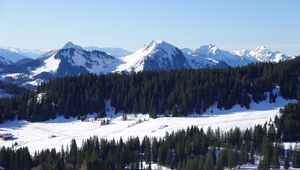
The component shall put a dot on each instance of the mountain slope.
(157, 55)
(4, 61)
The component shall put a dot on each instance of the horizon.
(230, 25)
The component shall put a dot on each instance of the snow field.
(60, 131)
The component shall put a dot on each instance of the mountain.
(24, 61)
(203, 57)
(157, 55)
(116, 52)
(262, 54)
(71, 59)
(199, 56)
(216, 55)
(186, 50)
(16, 54)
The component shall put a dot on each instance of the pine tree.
(73, 153)
(222, 161)
(286, 162)
(265, 156)
(296, 157)
(209, 161)
(232, 158)
(274, 163)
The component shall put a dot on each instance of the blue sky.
(230, 24)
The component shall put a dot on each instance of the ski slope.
(57, 132)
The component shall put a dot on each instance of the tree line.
(189, 149)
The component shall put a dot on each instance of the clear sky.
(230, 24)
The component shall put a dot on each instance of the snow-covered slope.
(157, 55)
(49, 65)
(60, 131)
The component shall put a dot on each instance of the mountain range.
(29, 68)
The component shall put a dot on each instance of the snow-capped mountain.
(16, 54)
(69, 60)
(200, 56)
(215, 55)
(73, 59)
(157, 55)
(116, 52)
(262, 54)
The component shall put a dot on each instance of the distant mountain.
(262, 54)
(16, 54)
(24, 61)
(157, 55)
(236, 58)
(213, 53)
(186, 50)
(116, 52)
(73, 59)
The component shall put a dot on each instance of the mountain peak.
(69, 45)
(156, 55)
(241, 53)
(158, 43)
(261, 48)
(210, 48)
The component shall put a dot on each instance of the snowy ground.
(60, 131)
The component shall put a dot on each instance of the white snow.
(14, 75)
(35, 82)
(261, 54)
(50, 65)
(214, 53)
(60, 131)
(135, 61)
